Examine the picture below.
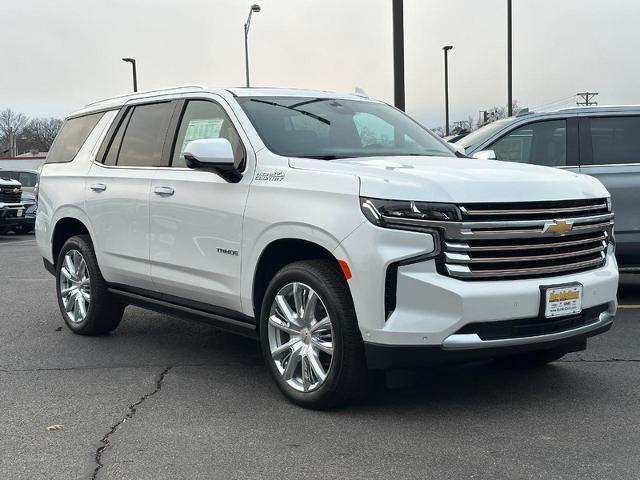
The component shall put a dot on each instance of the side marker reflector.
(345, 269)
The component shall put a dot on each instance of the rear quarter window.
(72, 136)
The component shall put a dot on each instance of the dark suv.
(600, 141)
(11, 207)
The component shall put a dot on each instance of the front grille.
(501, 241)
(7, 195)
(530, 327)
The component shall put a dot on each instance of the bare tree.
(500, 111)
(39, 133)
(11, 124)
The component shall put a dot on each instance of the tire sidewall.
(296, 273)
(79, 244)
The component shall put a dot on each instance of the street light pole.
(254, 8)
(132, 61)
(446, 87)
(509, 62)
(398, 53)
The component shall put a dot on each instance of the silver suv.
(600, 141)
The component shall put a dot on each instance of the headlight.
(382, 212)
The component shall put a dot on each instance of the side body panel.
(288, 203)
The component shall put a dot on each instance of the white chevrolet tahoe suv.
(334, 228)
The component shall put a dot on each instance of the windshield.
(327, 128)
(480, 135)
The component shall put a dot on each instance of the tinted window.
(540, 143)
(615, 140)
(72, 136)
(144, 136)
(114, 148)
(27, 179)
(204, 119)
(327, 128)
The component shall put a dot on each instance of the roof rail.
(157, 90)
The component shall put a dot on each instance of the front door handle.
(98, 187)
(163, 191)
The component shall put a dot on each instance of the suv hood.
(9, 182)
(458, 180)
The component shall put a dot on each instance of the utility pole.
(587, 99)
(446, 87)
(509, 62)
(398, 54)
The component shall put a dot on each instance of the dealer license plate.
(560, 301)
(19, 213)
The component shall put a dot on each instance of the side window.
(205, 119)
(144, 136)
(540, 143)
(615, 140)
(71, 137)
(112, 154)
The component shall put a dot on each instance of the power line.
(587, 98)
(568, 99)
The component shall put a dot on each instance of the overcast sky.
(59, 54)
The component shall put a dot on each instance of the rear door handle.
(163, 191)
(98, 187)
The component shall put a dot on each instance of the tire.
(537, 358)
(102, 313)
(307, 343)
(23, 229)
(4, 230)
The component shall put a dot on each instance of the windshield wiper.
(303, 112)
(322, 157)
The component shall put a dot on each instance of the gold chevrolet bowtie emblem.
(558, 227)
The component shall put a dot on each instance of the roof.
(119, 100)
(599, 109)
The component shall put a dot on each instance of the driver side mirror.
(485, 155)
(214, 155)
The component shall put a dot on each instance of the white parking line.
(628, 306)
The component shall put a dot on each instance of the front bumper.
(385, 357)
(430, 309)
(11, 214)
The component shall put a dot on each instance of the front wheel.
(310, 337)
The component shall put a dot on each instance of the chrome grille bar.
(536, 211)
(500, 241)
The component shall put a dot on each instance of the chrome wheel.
(300, 337)
(75, 286)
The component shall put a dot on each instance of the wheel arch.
(65, 228)
(278, 254)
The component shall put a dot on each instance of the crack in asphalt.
(131, 411)
(581, 359)
(97, 367)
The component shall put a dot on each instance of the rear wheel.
(310, 337)
(533, 359)
(85, 304)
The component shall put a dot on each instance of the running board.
(162, 306)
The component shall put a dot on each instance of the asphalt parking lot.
(164, 398)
